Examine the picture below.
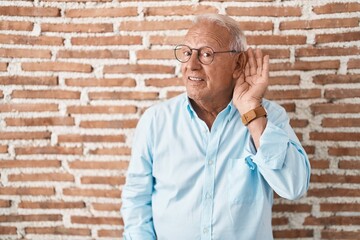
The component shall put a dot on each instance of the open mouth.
(195, 79)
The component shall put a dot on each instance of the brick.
(90, 138)
(179, 10)
(343, 235)
(354, 63)
(155, 54)
(326, 51)
(43, 94)
(42, 177)
(323, 108)
(171, 94)
(113, 181)
(58, 230)
(76, 0)
(97, 220)
(339, 151)
(340, 122)
(57, 67)
(337, 8)
(30, 11)
(23, 191)
(293, 233)
(333, 192)
(305, 65)
(337, 37)
(23, 107)
(309, 149)
(256, 26)
(31, 40)
(3, 66)
(349, 164)
(280, 221)
(155, 25)
(5, 203)
(3, 149)
(166, 40)
(320, 23)
(139, 69)
(101, 82)
(111, 151)
(336, 79)
(334, 178)
(319, 164)
(299, 123)
(291, 208)
(79, 28)
(277, 53)
(236, 0)
(106, 207)
(163, 82)
(110, 233)
(284, 80)
(101, 12)
(48, 150)
(107, 40)
(47, 121)
(275, 40)
(110, 165)
(107, 53)
(16, 25)
(31, 218)
(101, 109)
(293, 94)
(264, 11)
(51, 205)
(339, 207)
(114, 193)
(25, 53)
(24, 80)
(24, 135)
(123, 95)
(4, 230)
(116, 124)
(30, 164)
(341, 93)
(332, 220)
(335, 136)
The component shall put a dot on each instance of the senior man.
(205, 164)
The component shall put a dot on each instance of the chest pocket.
(243, 181)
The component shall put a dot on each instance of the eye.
(206, 53)
(187, 53)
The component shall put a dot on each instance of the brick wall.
(76, 75)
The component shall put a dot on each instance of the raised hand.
(252, 83)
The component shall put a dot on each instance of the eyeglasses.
(205, 54)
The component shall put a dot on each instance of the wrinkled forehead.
(207, 33)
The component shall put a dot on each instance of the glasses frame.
(198, 53)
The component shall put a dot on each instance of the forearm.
(256, 128)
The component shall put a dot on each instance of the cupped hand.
(250, 87)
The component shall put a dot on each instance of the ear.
(240, 64)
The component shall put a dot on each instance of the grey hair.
(238, 42)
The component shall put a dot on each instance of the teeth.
(195, 78)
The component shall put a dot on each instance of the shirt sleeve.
(281, 159)
(137, 192)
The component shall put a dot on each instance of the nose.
(193, 63)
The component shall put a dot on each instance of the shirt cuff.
(273, 147)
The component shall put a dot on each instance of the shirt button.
(210, 162)
(205, 230)
(208, 195)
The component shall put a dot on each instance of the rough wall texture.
(76, 75)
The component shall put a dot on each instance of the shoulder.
(168, 106)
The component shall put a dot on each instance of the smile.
(195, 79)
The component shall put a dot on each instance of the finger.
(265, 67)
(252, 62)
(247, 69)
(259, 61)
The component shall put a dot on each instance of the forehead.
(207, 33)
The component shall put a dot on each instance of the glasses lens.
(206, 55)
(182, 53)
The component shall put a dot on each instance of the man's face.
(215, 81)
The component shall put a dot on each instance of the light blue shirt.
(185, 182)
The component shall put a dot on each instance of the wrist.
(253, 114)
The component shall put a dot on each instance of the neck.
(207, 111)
